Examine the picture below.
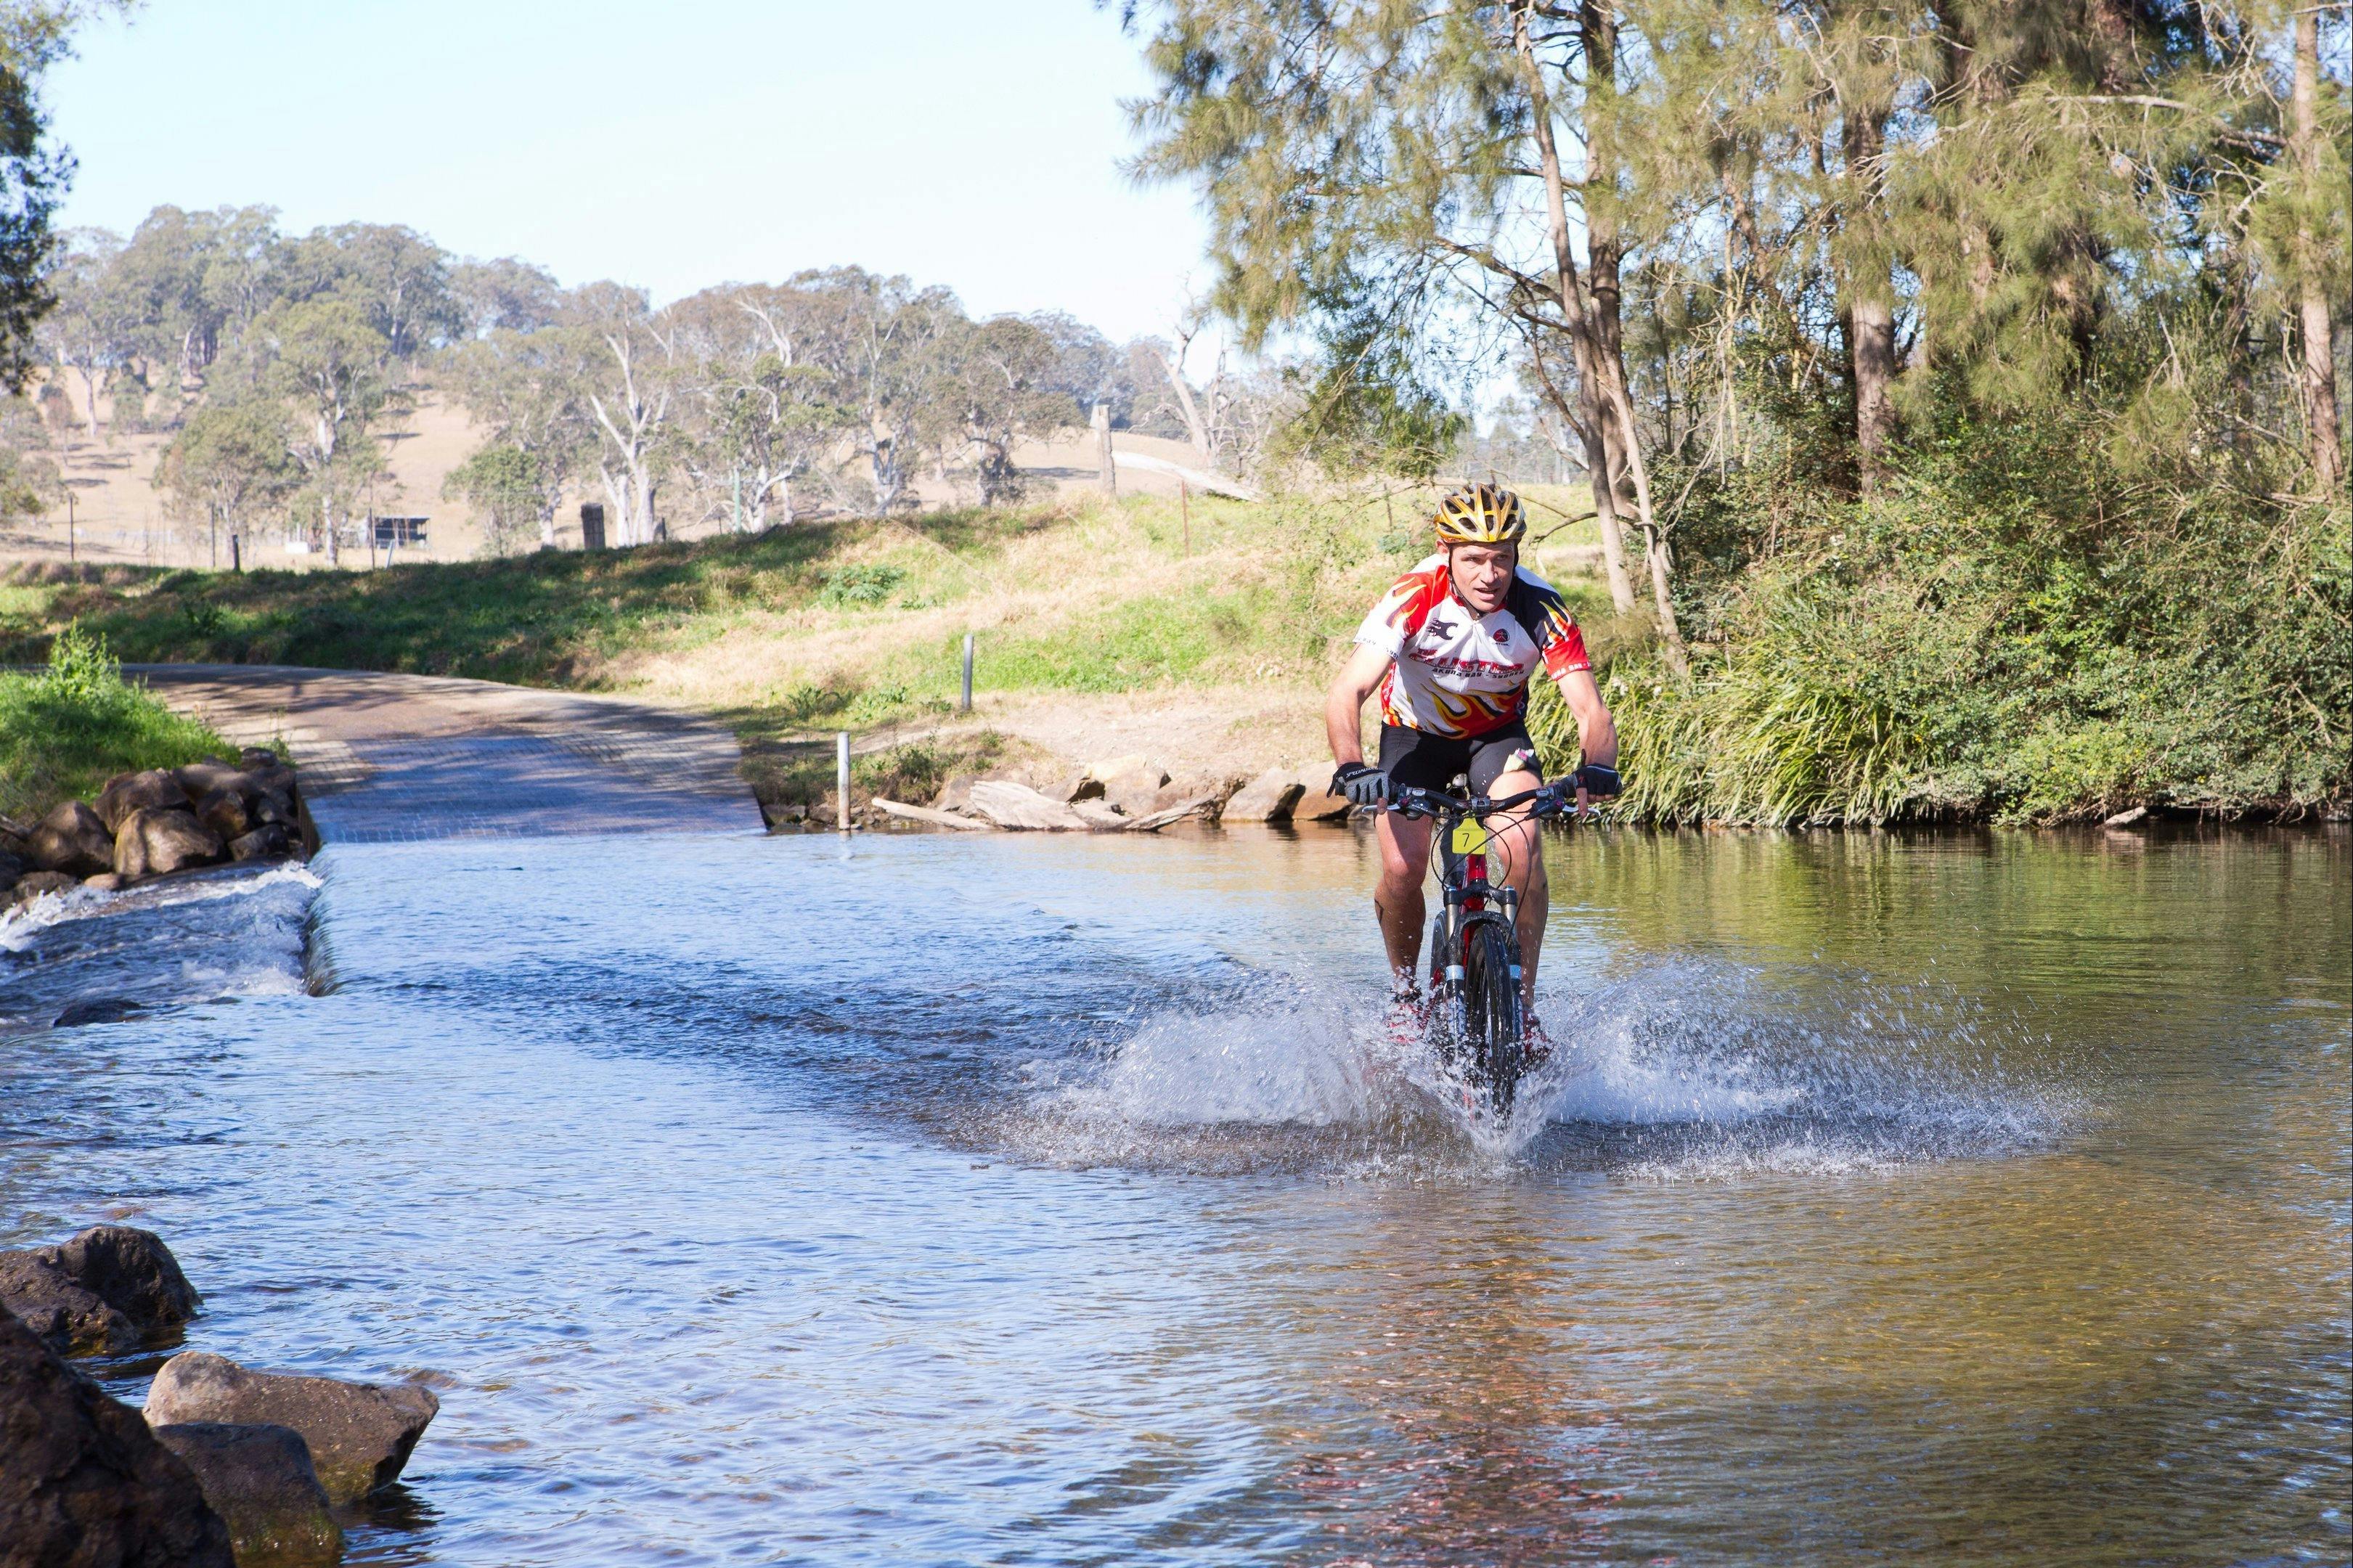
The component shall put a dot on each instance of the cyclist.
(1452, 647)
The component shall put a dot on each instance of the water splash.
(1681, 1070)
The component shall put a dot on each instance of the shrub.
(67, 730)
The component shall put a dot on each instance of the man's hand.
(1363, 785)
(1597, 782)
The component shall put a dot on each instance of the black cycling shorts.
(1420, 759)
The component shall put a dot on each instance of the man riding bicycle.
(1452, 647)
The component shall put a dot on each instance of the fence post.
(236, 554)
(1106, 474)
(966, 706)
(1185, 504)
(842, 774)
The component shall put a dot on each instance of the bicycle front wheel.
(1497, 1042)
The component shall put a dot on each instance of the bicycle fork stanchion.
(841, 776)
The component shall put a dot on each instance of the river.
(1026, 1199)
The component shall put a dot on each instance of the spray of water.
(1682, 1071)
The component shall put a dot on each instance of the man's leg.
(1405, 861)
(1515, 849)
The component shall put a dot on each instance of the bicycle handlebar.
(1413, 800)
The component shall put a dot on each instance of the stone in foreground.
(267, 842)
(150, 843)
(33, 884)
(360, 1434)
(73, 839)
(1269, 797)
(260, 1480)
(108, 1289)
(82, 1481)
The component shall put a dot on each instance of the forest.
(1961, 380)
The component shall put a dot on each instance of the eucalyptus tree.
(890, 347)
(231, 463)
(630, 386)
(505, 294)
(1010, 382)
(93, 330)
(765, 411)
(528, 393)
(324, 358)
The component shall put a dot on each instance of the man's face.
(1482, 573)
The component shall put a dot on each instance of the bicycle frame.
(1471, 899)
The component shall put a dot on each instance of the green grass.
(67, 730)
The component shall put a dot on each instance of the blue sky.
(669, 146)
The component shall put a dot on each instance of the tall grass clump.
(66, 729)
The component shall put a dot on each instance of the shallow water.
(948, 1199)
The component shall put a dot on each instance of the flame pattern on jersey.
(1462, 674)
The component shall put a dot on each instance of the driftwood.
(936, 818)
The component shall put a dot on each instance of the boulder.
(260, 1480)
(1086, 786)
(223, 811)
(157, 789)
(33, 884)
(264, 843)
(259, 757)
(150, 843)
(73, 839)
(1269, 797)
(360, 1434)
(1135, 792)
(82, 1480)
(1317, 801)
(105, 882)
(13, 865)
(1112, 767)
(1010, 804)
(110, 1288)
(198, 780)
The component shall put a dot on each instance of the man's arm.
(1344, 706)
(1596, 732)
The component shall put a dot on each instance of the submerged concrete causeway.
(386, 757)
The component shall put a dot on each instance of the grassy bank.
(1939, 652)
(67, 729)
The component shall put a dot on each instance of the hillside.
(120, 517)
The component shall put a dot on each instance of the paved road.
(393, 757)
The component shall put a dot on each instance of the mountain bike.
(1477, 1020)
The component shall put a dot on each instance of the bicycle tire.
(1497, 1043)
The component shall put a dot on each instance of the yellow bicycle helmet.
(1480, 514)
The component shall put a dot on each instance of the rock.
(109, 1289)
(83, 1482)
(266, 843)
(13, 865)
(1135, 791)
(157, 789)
(360, 1434)
(104, 882)
(259, 757)
(1101, 818)
(1112, 767)
(32, 884)
(1086, 786)
(150, 843)
(1269, 797)
(1010, 804)
(1154, 821)
(260, 1480)
(198, 780)
(2137, 816)
(96, 1010)
(224, 811)
(1317, 803)
(73, 839)
(274, 809)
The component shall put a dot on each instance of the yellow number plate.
(1470, 836)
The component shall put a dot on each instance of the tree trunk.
(1871, 297)
(1608, 370)
(1185, 405)
(1604, 498)
(1607, 465)
(2319, 328)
